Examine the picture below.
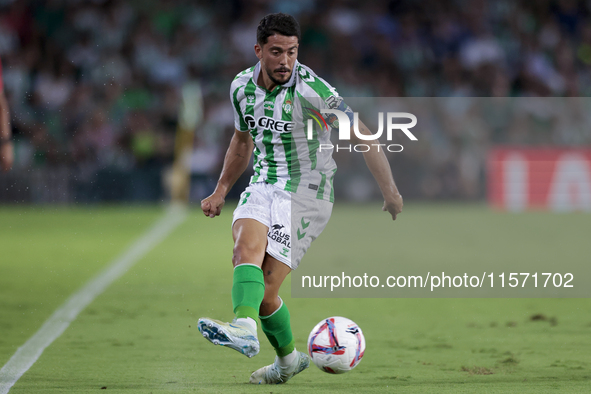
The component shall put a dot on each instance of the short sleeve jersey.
(284, 155)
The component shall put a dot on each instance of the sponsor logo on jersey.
(250, 99)
(268, 123)
(333, 102)
(279, 236)
(270, 105)
(250, 121)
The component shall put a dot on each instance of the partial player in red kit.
(6, 148)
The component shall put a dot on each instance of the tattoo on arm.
(239, 155)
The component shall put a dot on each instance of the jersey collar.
(291, 82)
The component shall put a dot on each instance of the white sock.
(287, 361)
(250, 322)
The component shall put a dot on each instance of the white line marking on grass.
(30, 352)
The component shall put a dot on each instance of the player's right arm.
(235, 163)
(380, 169)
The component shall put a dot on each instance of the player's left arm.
(380, 169)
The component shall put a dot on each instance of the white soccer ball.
(336, 345)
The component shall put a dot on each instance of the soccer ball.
(336, 345)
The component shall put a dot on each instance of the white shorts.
(275, 207)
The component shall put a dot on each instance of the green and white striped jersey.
(283, 156)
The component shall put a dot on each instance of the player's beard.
(275, 80)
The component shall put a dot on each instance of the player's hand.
(393, 205)
(212, 205)
(6, 155)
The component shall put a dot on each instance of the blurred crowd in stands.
(94, 85)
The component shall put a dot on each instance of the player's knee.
(245, 254)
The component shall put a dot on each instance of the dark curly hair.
(278, 23)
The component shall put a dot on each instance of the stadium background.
(95, 91)
(95, 86)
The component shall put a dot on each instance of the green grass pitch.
(140, 335)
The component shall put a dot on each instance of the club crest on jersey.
(287, 106)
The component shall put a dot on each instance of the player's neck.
(266, 82)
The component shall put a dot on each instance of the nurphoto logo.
(345, 132)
